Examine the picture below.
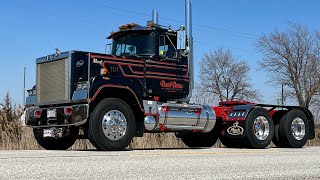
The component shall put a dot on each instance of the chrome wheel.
(261, 128)
(114, 125)
(298, 128)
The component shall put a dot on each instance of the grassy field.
(150, 141)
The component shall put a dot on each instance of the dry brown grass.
(149, 141)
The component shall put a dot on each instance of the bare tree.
(201, 96)
(292, 58)
(224, 76)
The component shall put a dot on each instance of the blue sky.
(30, 29)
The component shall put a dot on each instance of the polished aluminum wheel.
(261, 127)
(114, 125)
(298, 128)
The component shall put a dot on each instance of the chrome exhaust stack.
(155, 17)
(188, 20)
(189, 43)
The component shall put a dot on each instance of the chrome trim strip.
(35, 108)
(180, 127)
(69, 76)
(52, 102)
(37, 84)
(61, 125)
(52, 57)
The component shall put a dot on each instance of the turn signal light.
(165, 109)
(197, 111)
(104, 71)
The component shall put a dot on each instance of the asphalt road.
(215, 163)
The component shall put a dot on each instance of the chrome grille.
(52, 81)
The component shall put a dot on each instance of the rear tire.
(111, 125)
(275, 139)
(293, 130)
(276, 120)
(259, 129)
(56, 144)
(197, 139)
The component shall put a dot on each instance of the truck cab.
(143, 85)
(151, 41)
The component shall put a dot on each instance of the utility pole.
(282, 95)
(24, 87)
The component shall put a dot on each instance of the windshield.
(133, 44)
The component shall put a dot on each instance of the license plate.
(48, 133)
(51, 113)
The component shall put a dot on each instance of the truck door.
(169, 73)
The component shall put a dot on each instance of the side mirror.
(108, 48)
(185, 52)
(181, 39)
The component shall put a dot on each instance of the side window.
(119, 50)
(125, 49)
(167, 46)
(130, 49)
(163, 48)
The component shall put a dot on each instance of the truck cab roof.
(124, 29)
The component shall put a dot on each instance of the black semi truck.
(144, 85)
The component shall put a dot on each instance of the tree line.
(10, 122)
(291, 58)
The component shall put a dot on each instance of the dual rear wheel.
(290, 132)
(258, 131)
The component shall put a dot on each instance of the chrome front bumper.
(79, 116)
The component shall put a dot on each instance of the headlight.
(82, 85)
(31, 92)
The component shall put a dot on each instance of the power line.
(240, 34)
(198, 42)
(223, 46)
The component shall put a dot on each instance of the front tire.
(56, 144)
(111, 125)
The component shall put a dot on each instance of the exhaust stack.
(188, 26)
(190, 41)
(155, 17)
